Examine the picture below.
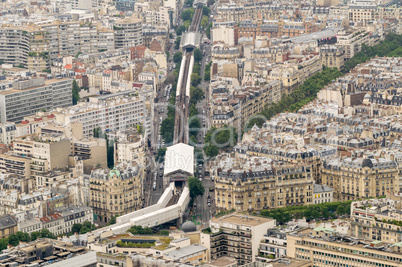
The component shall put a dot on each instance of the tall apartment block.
(128, 32)
(32, 95)
(111, 113)
(34, 46)
(14, 46)
(238, 236)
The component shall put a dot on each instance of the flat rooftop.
(237, 218)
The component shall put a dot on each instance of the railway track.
(181, 116)
(196, 19)
(181, 104)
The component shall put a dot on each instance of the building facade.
(238, 236)
(116, 192)
(355, 178)
(266, 184)
(33, 95)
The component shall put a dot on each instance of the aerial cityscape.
(208, 133)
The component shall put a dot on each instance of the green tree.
(35, 235)
(97, 132)
(112, 220)
(206, 11)
(177, 43)
(76, 90)
(13, 240)
(45, 233)
(197, 55)
(189, 2)
(208, 30)
(187, 14)
(24, 237)
(110, 153)
(160, 155)
(204, 21)
(84, 230)
(211, 150)
(196, 94)
(167, 129)
(195, 186)
(171, 36)
(177, 57)
(76, 228)
(180, 29)
(195, 79)
(186, 24)
(3, 243)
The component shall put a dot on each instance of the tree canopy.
(76, 92)
(316, 211)
(187, 14)
(197, 55)
(195, 186)
(177, 57)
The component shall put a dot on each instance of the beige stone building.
(376, 219)
(116, 192)
(260, 183)
(332, 56)
(8, 226)
(357, 178)
(92, 152)
(325, 247)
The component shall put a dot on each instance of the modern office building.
(325, 247)
(32, 95)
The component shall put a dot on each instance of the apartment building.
(33, 95)
(238, 236)
(8, 226)
(14, 46)
(351, 41)
(130, 145)
(125, 5)
(7, 132)
(361, 177)
(322, 194)
(111, 112)
(332, 56)
(76, 215)
(128, 32)
(273, 245)
(54, 223)
(257, 183)
(325, 247)
(18, 165)
(92, 152)
(376, 219)
(362, 12)
(116, 192)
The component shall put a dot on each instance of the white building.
(7, 132)
(110, 112)
(273, 245)
(322, 194)
(224, 34)
(76, 215)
